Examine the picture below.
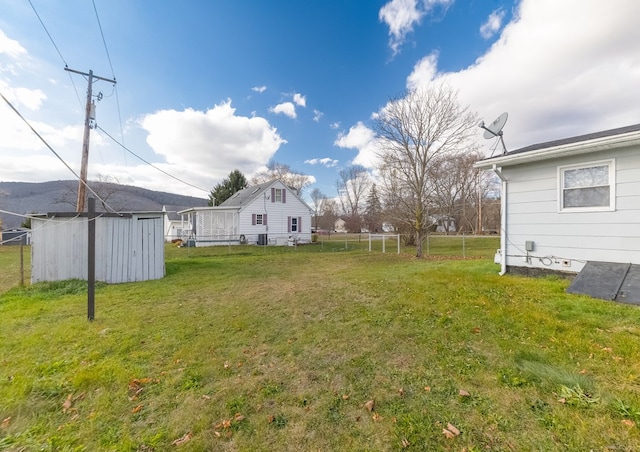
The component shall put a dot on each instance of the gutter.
(503, 220)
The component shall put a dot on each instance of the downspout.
(503, 220)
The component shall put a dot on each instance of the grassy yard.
(263, 349)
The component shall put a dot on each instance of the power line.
(149, 163)
(103, 40)
(48, 34)
(104, 203)
(106, 49)
(57, 50)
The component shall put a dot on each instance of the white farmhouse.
(267, 214)
(570, 203)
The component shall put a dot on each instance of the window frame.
(610, 163)
(259, 219)
(294, 224)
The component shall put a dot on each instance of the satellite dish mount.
(495, 129)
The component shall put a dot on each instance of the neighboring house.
(267, 214)
(570, 202)
(176, 226)
(15, 236)
(340, 225)
(443, 223)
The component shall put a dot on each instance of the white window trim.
(612, 187)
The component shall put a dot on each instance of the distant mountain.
(60, 196)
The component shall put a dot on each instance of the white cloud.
(300, 100)
(317, 115)
(259, 89)
(214, 141)
(363, 139)
(493, 24)
(559, 68)
(11, 47)
(326, 162)
(335, 125)
(401, 16)
(285, 108)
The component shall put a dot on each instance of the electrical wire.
(149, 163)
(104, 203)
(103, 40)
(111, 66)
(57, 50)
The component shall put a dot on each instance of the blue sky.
(206, 87)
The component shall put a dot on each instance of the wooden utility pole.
(82, 184)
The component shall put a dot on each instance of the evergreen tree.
(373, 211)
(225, 189)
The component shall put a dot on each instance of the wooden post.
(91, 261)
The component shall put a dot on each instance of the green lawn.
(316, 349)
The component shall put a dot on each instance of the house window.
(259, 218)
(294, 224)
(587, 187)
(278, 195)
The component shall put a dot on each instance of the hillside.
(60, 196)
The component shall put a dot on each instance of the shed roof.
(581, 144)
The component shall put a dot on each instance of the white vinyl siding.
(534, 196)
(587, 187)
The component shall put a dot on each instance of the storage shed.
(129, 247)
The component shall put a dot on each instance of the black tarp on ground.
(608, 281)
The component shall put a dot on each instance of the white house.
(569, 202)
(176, 226)
(267, 214)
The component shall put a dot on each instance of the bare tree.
(413, 131)
(317, 199)
(105, 187)
(456, 189)
(328, 214)
(293, 179)
(353, 185)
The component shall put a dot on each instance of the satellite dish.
(495, 128)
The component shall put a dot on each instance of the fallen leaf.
(376, 417)
(238, 417)
(448, 433)
(271, 418)
(206, 397)
(345, 397)
(184, 439)
(583, 372)
(370, 405)
(629, 423)
(136, 409)
(562, 400)
(475, 330)
(401, 392)
(451, 431)
(405, 443)
(463, 393)
(5, 422)
(427, 388)
(218, 434)
(66, 405)
(226, 424)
